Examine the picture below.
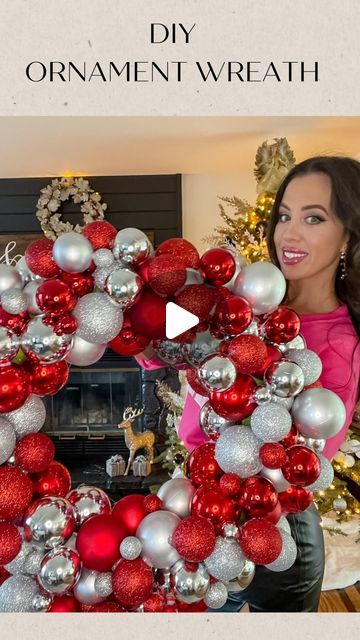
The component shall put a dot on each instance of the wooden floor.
(335, 601)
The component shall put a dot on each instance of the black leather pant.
(298, 588)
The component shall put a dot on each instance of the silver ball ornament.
(9, 345)
(216, 595)
(72, 252)
(244, 579)
(30, 291)
(99, 321)
(276, 477)
(339, 504)
(49, 520)
(14, 301)
(226, 561)
(169, 351)
(17, 594)
(287, 555)
(324, 480)
(103, 584)
(285, 378)
(155, 532)
(270, 422)
(103, 258)
(84, 353)
(296, 343)
(7, 440)
(130, 548)
(84, 590)
(262, 395)
(217, 373)
(318, 413)
(17, 565)
(189, 585)
(176, 495)
(316, 445)
(237, 451)
(10, 278)
(212, 425)
(88, 501)
(284, 525)
(203, 345)
(262, 285)
(41, 341)
(309, 362)
(101, 274)
(131, 246)
(123, 287)
(29, 418)
(59, 571)
(41, 603)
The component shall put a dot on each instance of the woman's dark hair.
(344, 174)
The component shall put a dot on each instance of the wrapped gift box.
(141, 466)
(115, 466)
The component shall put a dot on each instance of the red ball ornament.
(47, 379)
(302, 466)
(152, 503)
(154, 604)
(127, 342)
(193, 381)
(282, 325)
(194, 607)
(217, 266)
(178, 247)
(101, 234)
(295, 499)
(55, 297)
(79, 283)
(64, 604)
(314, 385)
(194, 538)
(258, 496)
(54, 481)
(248, 353)
(34, 452)
(233, 315)
(166, 274)
(196, 298)
(212, 503)
(202, 466)
(10, 542)
(65, 324)
(273, 355)
(129, 512)
(274, 515)
(272, 455)
(230, 484)
(15, 387)
(16, 323)
(148, 315)
(133, 582)
(260, 541)
(291, 438)
(39, 258)
(107, 607)
(98, 542)
(4, 575)
(236, 403)
(16, 491)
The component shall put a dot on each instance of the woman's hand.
(148, 353)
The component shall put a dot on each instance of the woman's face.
(308, 236)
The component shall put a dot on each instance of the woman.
(314, 238)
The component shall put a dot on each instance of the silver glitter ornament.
(237, 451)
(339, 504)
(230, 530)
(131, 246)
(84, 590)
(309, 362)
(41, 603)
(262, 395)
(60, 570)
(17, 594)
(296, 343)
(270, 422)
(316, 445)
(203, 345)
(99, 320)
(29, 418)
(216, 595)
(10, 278)
(17, 565)
(72, 252)
(101, 274)
(103, 258)
(176, 495)
(326, 476)
(169, 351)
(14, 301)
(217, 373)
(41, 341)
(130, 548)
(7, 440)
(287, 555)
(189, 584)
(49, 520)
(33, 562)
(30, 290)
(244, 578)
(285, 378)
(124, 287)
(9, 345)
(103, 584)
(284, 525)
(318, 413)
(212, 425)
(262, 285)
(226, 561)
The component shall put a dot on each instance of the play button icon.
(178, 320)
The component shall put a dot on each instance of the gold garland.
(60, 190)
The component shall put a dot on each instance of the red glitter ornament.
(193, 381)
(260, 541)
(258, 496)
(55, 297)
(64, 604)
(154, 604)
(178, 247)
(129, 512)
(10, 542)
(98, 542)
(34, 452)
(101, 234)
(273, 355)
(166, 274)
(233, 315)
(194, 538)
(230, 484)
(39, 258)
(302, 466)
(16, 323)
(202, 466)
(282, 325)
(4, 575)
(15, 492)
(15, 387)
(196, 298)
(148, 315)
(272, 455)
(152, 503)
(47, 379)
(53, 481)
(127, 342)
(217, 266)
(107, 607)
(295, 499)
(79, 283)
(132, 582)
(236, 403)
(248, 353)
(211, 502)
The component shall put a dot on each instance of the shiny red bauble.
(291, 438)
(4, 575)
(34, 452)
(64, 604)
(54, 481)
(54, 297)
(129, 512)
(212, 503)
(127, 342)
(260, 541)
(295, 499)
(274, 515)
(152, 503)
(272, 455)
(79, 283)
(202, 466)
(273, 355)
(16, 491)
(98, 542)
(194, 538)
(282, 325)
(302, 466)
(16, 323)
(196, 298)
(166, 274)
(107, 607)
(148, 315)
(133, 582)
(258, 496)
(236, 403)
(194, 607)
(176, 247)
(15, 387)
(39, 258)
(10, 542)
(230, 484)
(248, 353)
(65, 324)
(47, 379)
(233, 315)
(217, 266)
(193, 381)
(101, 234)
(154, 604)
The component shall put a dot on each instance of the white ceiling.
(53, 146)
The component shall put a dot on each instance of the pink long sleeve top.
(333, 337)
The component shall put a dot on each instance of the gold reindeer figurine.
(135, 441)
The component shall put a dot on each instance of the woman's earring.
(343, 265)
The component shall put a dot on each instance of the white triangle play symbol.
(178, 320)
